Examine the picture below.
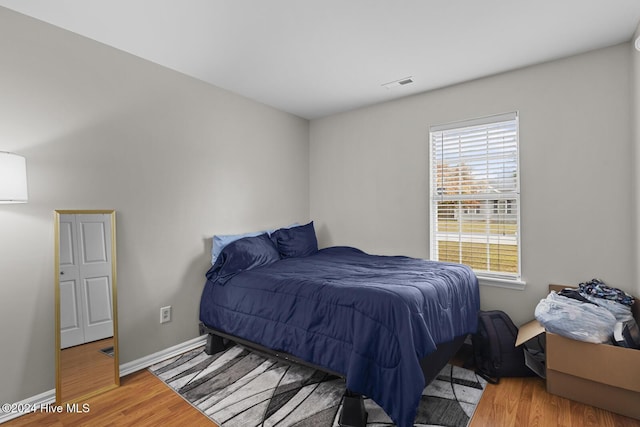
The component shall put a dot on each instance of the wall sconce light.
(637, 43)
(13, 178)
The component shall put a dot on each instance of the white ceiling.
(314, 58)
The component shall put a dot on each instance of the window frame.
(498, 279)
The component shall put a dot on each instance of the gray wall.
(179, 160)
(369, 177)
(635, 81)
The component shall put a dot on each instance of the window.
(475, 196)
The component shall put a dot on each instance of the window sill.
(518, 285)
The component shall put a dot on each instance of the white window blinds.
(475, 195)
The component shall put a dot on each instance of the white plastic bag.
(620, 311)
(574, 319)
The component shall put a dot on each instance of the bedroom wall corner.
(635, 111)
(179, 160)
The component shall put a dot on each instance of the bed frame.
(353, 412)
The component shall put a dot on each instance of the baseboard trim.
(145, 362)
(49, 397)
(28, 405)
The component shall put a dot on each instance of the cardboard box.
(601, 375)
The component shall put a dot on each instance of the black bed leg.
(215, 344)
(353, 413)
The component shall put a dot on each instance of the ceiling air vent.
(397, 83)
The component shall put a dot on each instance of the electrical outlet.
(165, 314)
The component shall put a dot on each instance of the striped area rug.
(242, 388)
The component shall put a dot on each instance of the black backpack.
(494, 351)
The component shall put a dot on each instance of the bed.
(387, 324)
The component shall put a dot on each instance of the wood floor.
(143, 400)
(525, 402)
(84, 368)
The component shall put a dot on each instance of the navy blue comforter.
(370, 318)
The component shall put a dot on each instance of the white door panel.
(99, 323)
(85, 258)
(71, 322)
(93, 240)
(66, 241)
(72, 331)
